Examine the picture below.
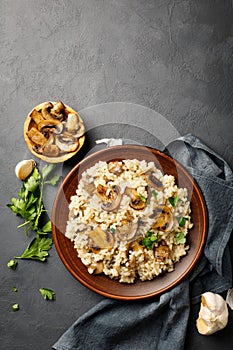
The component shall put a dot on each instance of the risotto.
(128, 220)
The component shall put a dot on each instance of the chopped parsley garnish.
(143, 199)
(15, 289)
(149, 239)
(47, 294)
(182, 221)
(155, 194)
(15, 307)
(12, 264)
(112, 229)
(180, 238)
(173, 200)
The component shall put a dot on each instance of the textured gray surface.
(172, 56)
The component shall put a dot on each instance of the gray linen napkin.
(160, 322)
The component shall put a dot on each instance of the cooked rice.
(128, 258)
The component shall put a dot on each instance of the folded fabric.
(161, 322)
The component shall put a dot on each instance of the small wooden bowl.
(103, 284)
(29, 123)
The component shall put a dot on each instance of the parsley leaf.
(173, 200)
(47, 228)
(32, 183)
(180, 238)
(143, 199)
(37, 249)
(147, 243)
(149, 239)
(53, 180)
(46, 171)
(182, 221)
(47, 294)
(155, 194)
(12, 264)
(15, 307)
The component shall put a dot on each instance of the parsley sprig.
(29, 205)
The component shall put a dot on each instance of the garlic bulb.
(213, 314)
(24, 168)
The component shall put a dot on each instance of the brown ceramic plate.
(29, 123)
(101, 283)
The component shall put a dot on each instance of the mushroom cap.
(136, 202)
(127, 232)
(72, 122)
(99, 239)
(115, 168)
(66, 144)
(115, 203)
(45, 110)
(162, 252)
(51, 150)
(153, 181)
(163, 218)
(55, 125)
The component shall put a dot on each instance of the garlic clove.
(213, 314)
(24, 168)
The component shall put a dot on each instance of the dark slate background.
(174, 57)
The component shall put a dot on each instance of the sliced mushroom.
(153, 181)
(136, 202)
(36, 137)
(113, 205)
(58, 110)
(50, 125)
(162, 252)
(136, 246)
(72, 122)
(50, 139)
(66, 144)
(80, 132)
(105, 193)
(163, 218)
(99, 239)
(127, 232)
(72, 214)
(36, 116)
(45, 111)
(51, 150)
(98, 267)
(38, 149)
(115, 168)
(74, 126)
(89, 187)
(129, 218)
